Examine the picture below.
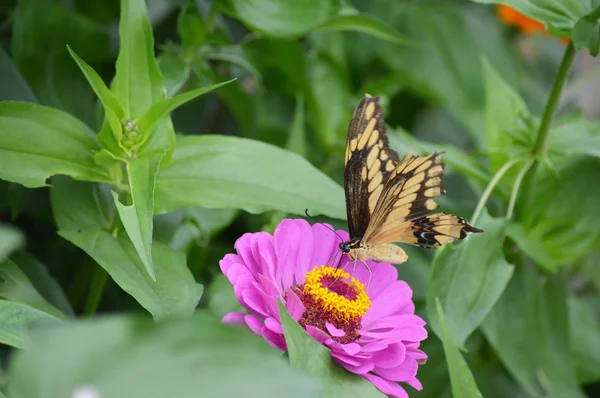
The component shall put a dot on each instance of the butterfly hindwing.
(369, 163)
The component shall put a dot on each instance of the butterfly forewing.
(369, 163)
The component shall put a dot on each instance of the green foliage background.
(139, 140)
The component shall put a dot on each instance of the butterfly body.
(388, 200)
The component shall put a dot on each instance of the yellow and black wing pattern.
(389, 200)
(369, 162)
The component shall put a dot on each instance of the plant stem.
(95, 293)
(490, 187)
(516, 186)
(557, 87)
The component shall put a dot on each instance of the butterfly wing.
(368, 164)
(401, 214)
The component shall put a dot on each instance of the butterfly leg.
(370, 274)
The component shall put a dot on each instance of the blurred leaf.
(175, 72)
(137, 216)
(504, 110)
(221, 171)
(164, 107)
(556, 202)
(43, 282)
(190, 28)
(330, 91)
(37, 142)
(14, 87)
(42, 29)
(10, 239)
(222, 299)
(310, 356)
(125, 357)
(574, 136)
(528, 329)
(586, 33)
(584, 335)
(15, 317)
(174, 291)
(463, 384)
(531, 247)
(284, 18)
(468, 278)
(297, 139)
(445, 66)
(211, 221)
(15, 286)
(365, 24)
(559, 21)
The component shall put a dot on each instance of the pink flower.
(371, 332)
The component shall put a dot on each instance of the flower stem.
(516, 186)
(95, 293)
(490, 187)
(557, 87)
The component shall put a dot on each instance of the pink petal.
(274, 325)
(243, 246)
(389, 302)
(352, 362)
(270, 302)
(391, 357)
(234, 318)
(294, 305)
(325, 244)
(262, 248)
(383, 275)
(254, 324)
(414, 383)
(317, 334)
(227, 261)
(254, 302)
(335, 332)
(275, 339)
(374, 346)
(351, 348)
(407, 370)
(387, 387)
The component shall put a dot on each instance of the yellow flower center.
(337, 293)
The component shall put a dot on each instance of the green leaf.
(231, 172)
(122, 357)
(365, 24)
(191, 28)
(10, 239)
(15, 286)
(559, 21)
(310, 356)
(463, 383)
(572, 137)
(137, 217)
(556, 202)
(504, 110)
(174, 71)
(14, 87)
(528, 330)
(586, 33)
(284, 18)
(531, 246)
(584, 334)
(468, 279)
(41, 31)
(83, 214)
(112, 107)
(222, 299)
(37, 142)
(164, 107)
(138, 83)
(43, 282)
(297, 139)
(15, 318)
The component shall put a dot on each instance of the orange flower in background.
(529, 26)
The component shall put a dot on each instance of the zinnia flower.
(510, 16)
(371, 331)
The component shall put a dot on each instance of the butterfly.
(388, 199)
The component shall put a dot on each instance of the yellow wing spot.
(374, 169)
(366, 134)
(389, 166)
(430, 204)
(416, 179)
(415, 163)
(443, 239)
(370, 110)
(424, 166)
(433, 182)
(433, 192)
(409, 190)
(406, 200)
(435, 171)
(374, 197)
(353, 143)
(399, 213)
(444, 229)
(368, 95)
(372, 157)
(374, 137)
(375, 182)
(383, 156)
(363, 174)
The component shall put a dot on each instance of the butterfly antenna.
(325, 225)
